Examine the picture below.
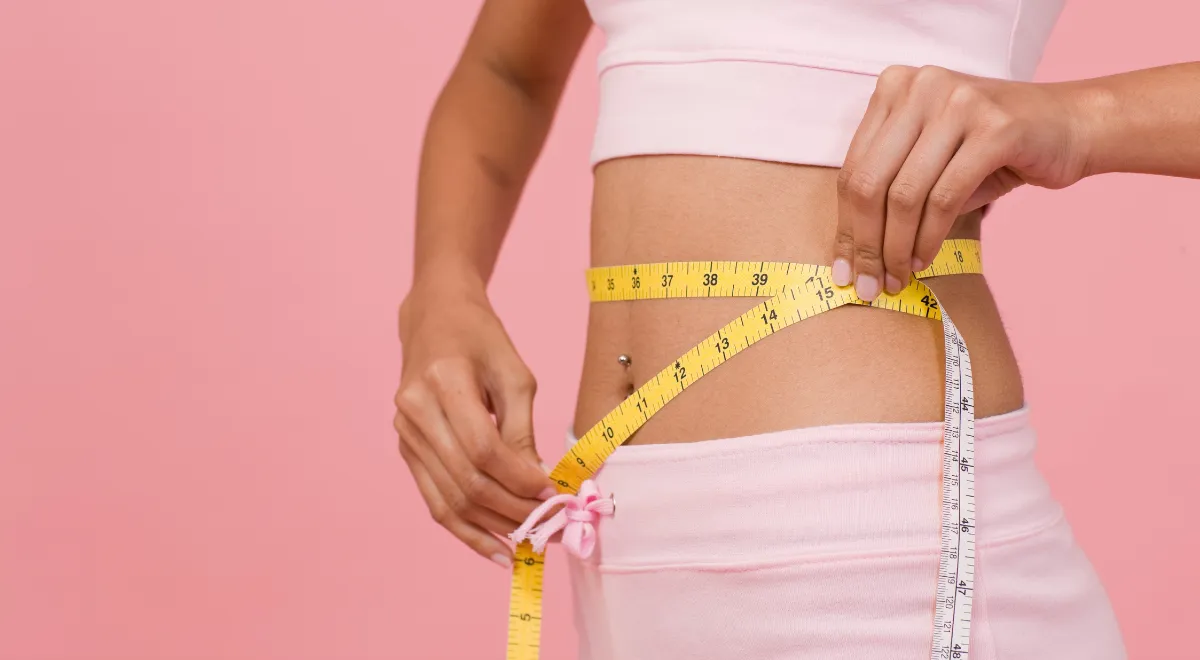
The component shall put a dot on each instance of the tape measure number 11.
(797, 292)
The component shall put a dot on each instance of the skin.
(852, 365)
(935, 143)
(933, 146)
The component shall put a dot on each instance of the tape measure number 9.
(798, 292)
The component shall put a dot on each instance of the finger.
(509, 463)
(421, 408)
(876, 114)
(512, 389)
(412, 445)
(977, 158)
(906, 200)
(867, 194)
(473, 536)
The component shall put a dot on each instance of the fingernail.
(503, 560)
(893, 284)
(918, 265)
(841, 272)
(546, 494)
(867, 287)
(545, 468)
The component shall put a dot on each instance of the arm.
(1144, 121)
(487, 129)
(934, 144)
(479, 476)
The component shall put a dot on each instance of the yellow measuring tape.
(798, 291)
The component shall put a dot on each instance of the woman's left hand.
(934, 144)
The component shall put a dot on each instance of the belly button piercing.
(625, 360)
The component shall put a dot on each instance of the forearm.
(482, 139)
(1145, 121)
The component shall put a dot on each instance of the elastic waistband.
(848, 489)
(917, 432)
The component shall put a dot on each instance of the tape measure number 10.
(797, 292)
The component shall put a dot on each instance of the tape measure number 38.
(797, 292)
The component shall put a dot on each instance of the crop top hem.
(611, 59)
(775, 111)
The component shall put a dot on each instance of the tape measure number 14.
(797, 292)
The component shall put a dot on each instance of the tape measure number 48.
(797, 292)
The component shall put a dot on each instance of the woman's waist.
(680, 207)
(851, 365)
(820, 492)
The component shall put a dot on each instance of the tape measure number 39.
(797, 292)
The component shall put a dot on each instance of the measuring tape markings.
(956, 557)
(798, 292)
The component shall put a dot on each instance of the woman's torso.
(854, 364)
(771, 91)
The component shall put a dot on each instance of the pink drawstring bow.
(575, 520)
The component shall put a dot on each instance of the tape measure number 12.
(798, 292)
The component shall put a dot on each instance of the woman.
(787, 505)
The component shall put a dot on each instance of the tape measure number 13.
(798, 291)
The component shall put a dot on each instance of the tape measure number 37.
(797, 292)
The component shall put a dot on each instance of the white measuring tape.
(956, 563)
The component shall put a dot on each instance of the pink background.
(206, 216)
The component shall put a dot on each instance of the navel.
(626, 362)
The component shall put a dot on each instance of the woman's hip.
(823, 543)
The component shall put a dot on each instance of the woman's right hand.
(478, 476)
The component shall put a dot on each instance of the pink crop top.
(785, 80)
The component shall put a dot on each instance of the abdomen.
(853, 364)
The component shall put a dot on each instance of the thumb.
(514, 413)
(996, 185)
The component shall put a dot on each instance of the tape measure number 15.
(798, 291)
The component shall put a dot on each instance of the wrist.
(449, 276)
(440, 281)
(1096, 115)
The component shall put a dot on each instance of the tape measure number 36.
(797, 292)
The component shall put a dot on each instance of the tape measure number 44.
(797, 292)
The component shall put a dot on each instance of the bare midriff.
(853, 364)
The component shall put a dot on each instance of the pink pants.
(822, 543)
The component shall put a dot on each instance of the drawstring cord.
(576, 520)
